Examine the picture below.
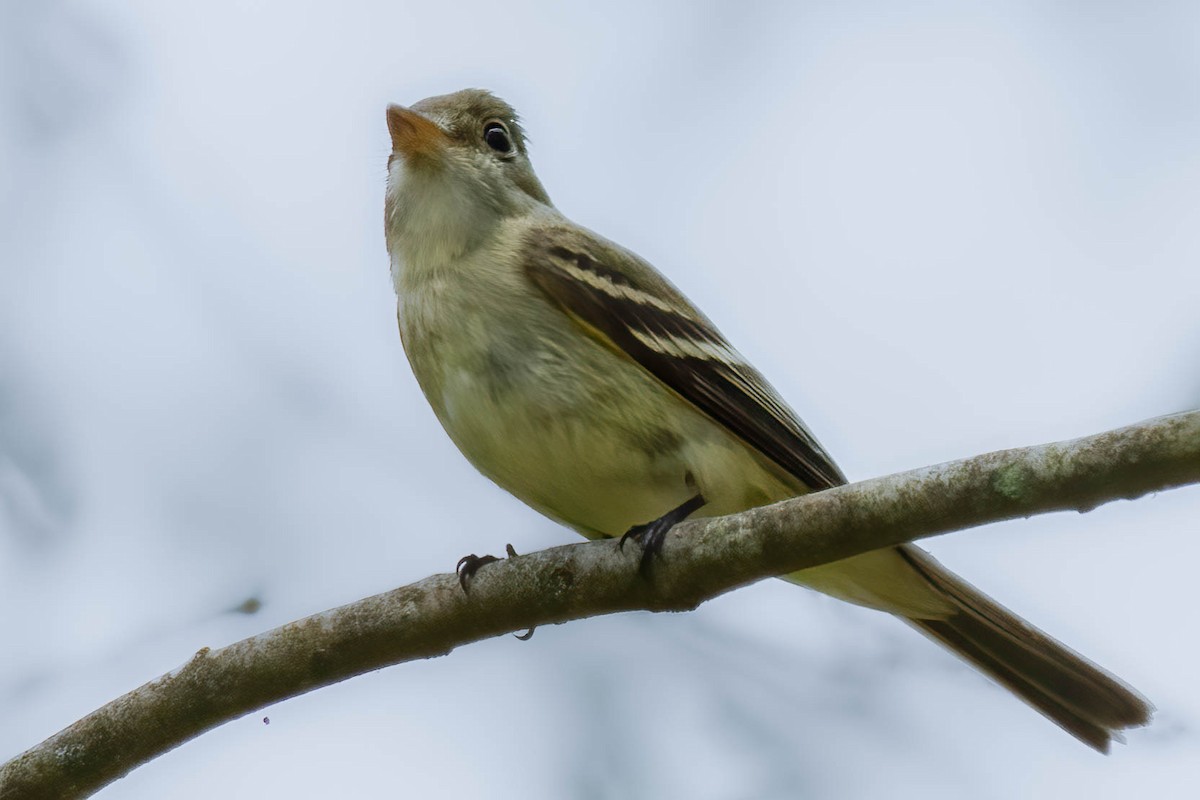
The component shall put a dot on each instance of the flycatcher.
(575, 376)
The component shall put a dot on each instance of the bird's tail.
(1087, 702)
(1083, 699)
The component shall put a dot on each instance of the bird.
(574, 375)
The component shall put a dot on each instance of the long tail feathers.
(1079, 696)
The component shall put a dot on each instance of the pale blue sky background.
(939, 228)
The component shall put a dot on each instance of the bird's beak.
(414, 136)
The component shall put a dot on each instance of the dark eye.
(497, 138)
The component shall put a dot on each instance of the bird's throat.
(432, 220)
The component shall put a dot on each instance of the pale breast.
(580, 433)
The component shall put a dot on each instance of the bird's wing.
(631, 308)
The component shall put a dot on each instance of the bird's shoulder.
(558, 247)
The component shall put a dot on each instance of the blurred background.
(940, 229)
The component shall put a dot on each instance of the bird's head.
(458, 167)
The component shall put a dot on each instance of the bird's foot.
(469, 565)
(651, 535)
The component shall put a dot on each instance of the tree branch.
(700, 560)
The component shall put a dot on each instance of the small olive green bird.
(575, 376)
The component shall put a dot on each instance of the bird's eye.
(497, 137)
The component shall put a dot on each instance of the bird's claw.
(467, 567)
(650, 536)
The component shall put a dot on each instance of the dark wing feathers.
(637, 312)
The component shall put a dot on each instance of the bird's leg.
(652, 534)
